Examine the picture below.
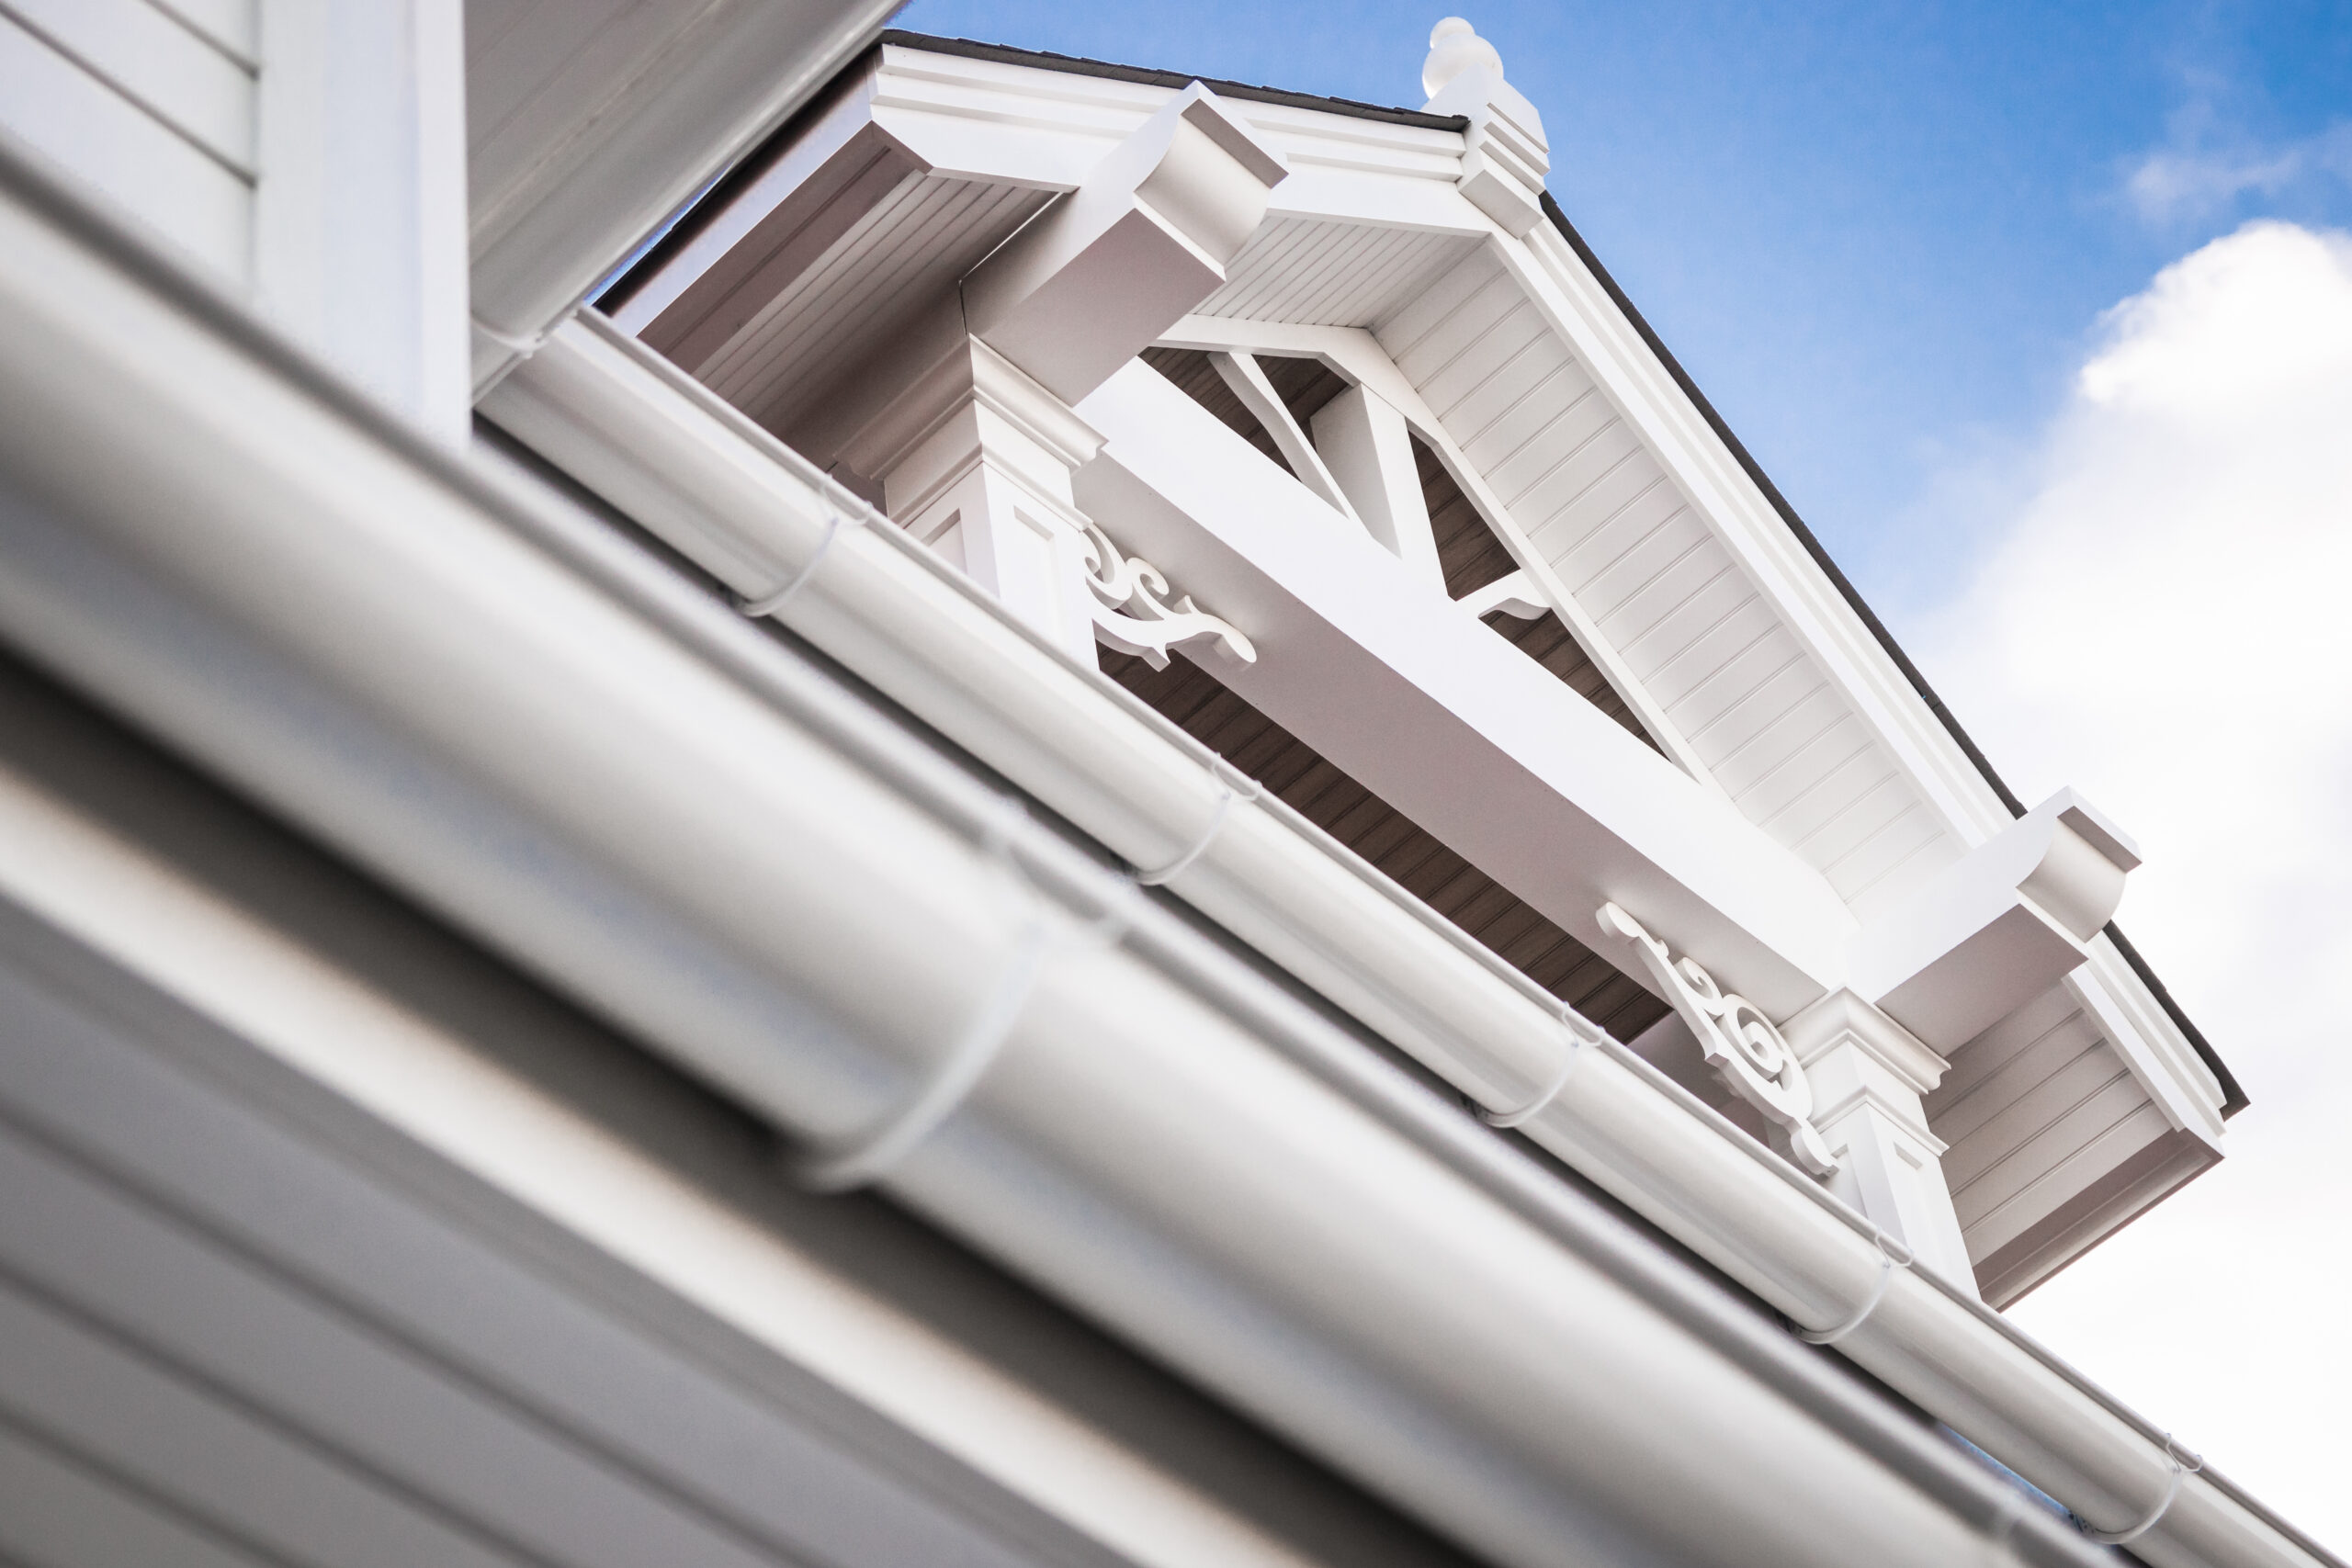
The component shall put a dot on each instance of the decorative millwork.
(1740, 1044)
(1505, 154)
(1134, 614)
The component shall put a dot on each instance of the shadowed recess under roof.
(1320, 791)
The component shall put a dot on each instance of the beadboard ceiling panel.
(913, 245)
(1332, 275)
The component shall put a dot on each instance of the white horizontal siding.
(146, 156)
(2034, 1112)
(229, 26)
(1658, 581)
(158, 64)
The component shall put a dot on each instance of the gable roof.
(2234, 1099)
(1685, 590)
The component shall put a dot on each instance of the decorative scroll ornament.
(1132, 612)
(1740, 1044)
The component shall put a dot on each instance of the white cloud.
(2203, 172)
(2166, 623)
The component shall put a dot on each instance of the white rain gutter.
(372, 635)
(675, 459)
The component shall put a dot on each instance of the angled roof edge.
(2234, 1098)
(1076, 65)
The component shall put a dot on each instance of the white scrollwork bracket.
(1740, 1044)
(1133, 614)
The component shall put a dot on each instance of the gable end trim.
(2234, 1098)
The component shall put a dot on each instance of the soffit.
(1326, 273)
(977, 147)
(911, 248)
(2053, 1143)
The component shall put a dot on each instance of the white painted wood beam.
(1999, 927)
(1143, 240)
(1364, 440)
(1357, 355)
(1512, 594)
(1462, 732)
(1247, 379)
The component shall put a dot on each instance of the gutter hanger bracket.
(1582, 1036)
(866, 1155)
(774, 601)
(1232, 785)
(1892, 1254)
(2183, 1466)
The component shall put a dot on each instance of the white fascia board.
(1523, 776)
(2154, 1049)
(1555, 280)
(1024, 125)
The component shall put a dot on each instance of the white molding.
(995, 119)
(1364, 439)
(1241, 372)
(359, 208)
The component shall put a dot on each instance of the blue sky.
(1881, 235)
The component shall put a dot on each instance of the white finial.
(1455, 47)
